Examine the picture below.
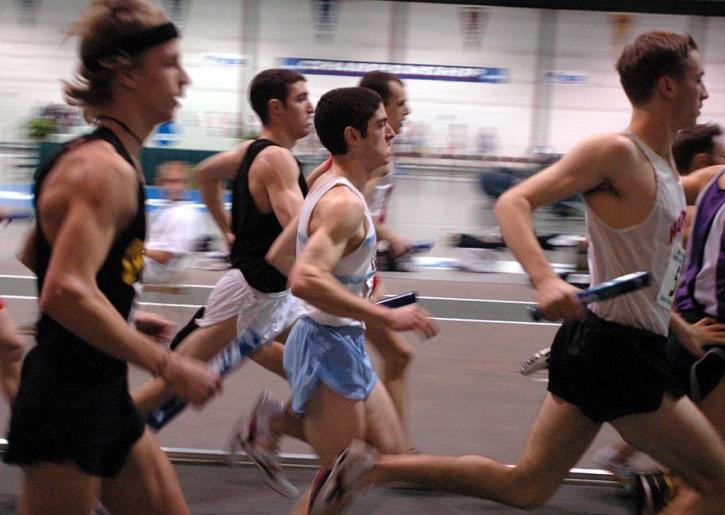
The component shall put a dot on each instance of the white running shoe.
(625, 465)
(252, 434)
(335, 488)
(537, 361)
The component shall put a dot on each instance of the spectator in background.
(174, 228)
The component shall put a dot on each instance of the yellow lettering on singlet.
(132, 262)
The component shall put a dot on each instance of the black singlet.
(121, 269)
(73, 402)
(255, 232)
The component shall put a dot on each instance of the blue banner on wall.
(402, 70)
(564, 77)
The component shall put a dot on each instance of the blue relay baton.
(606, 290)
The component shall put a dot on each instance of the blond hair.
(103, 23)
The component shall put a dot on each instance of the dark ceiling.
(694, 7)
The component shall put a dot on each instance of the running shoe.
(335, 487)
(538, 361)
(252, 434)
(478, 260)
(610, 458)
(626, 465)
(653, 492)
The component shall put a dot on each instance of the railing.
(180, 456)
(18, 161)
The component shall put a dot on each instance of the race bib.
(672, 277)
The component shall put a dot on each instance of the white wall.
(209, 115)
(33, 59)
(451, 115)
(584, 44)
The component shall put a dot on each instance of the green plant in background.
(40, 128)
(53, 119)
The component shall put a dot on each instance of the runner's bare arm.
(695, 181)
(278, 172)
(25, 254)
(397, 244)
(283, 252)
(81, 221)
(211, 174)
(587, 166)
(338, 222)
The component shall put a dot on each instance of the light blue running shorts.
(336, 356)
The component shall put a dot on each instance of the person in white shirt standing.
(173, 228)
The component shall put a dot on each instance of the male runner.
(396, 352)
(74, 429)
(258, 431)
(268, 189)
(697, 147)
(333, 385)
(694, 149)
(698, 154)
(607, 364)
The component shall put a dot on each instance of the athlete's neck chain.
(123, 126)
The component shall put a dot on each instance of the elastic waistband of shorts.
(353, 330)
(643, 333)
(270, 295)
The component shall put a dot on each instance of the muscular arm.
(25, 254)
(283, 252)
(397, 245)
(274, 176)
(81, 223)
(210, 177)
(587, 166)
(694, 182)
(277, 172)
(338, 220)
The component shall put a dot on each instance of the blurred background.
(497, 90)
(491, 88)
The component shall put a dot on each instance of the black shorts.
(696, 377)
(65, 414)
(609, 370)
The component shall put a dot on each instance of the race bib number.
(672, 277)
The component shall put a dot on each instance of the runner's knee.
(532, 496)
(399, 359)
(529, 493)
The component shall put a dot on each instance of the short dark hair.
(652, 55)
(379, 82)
(692, 141)
(341, 108)
(269, 84)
